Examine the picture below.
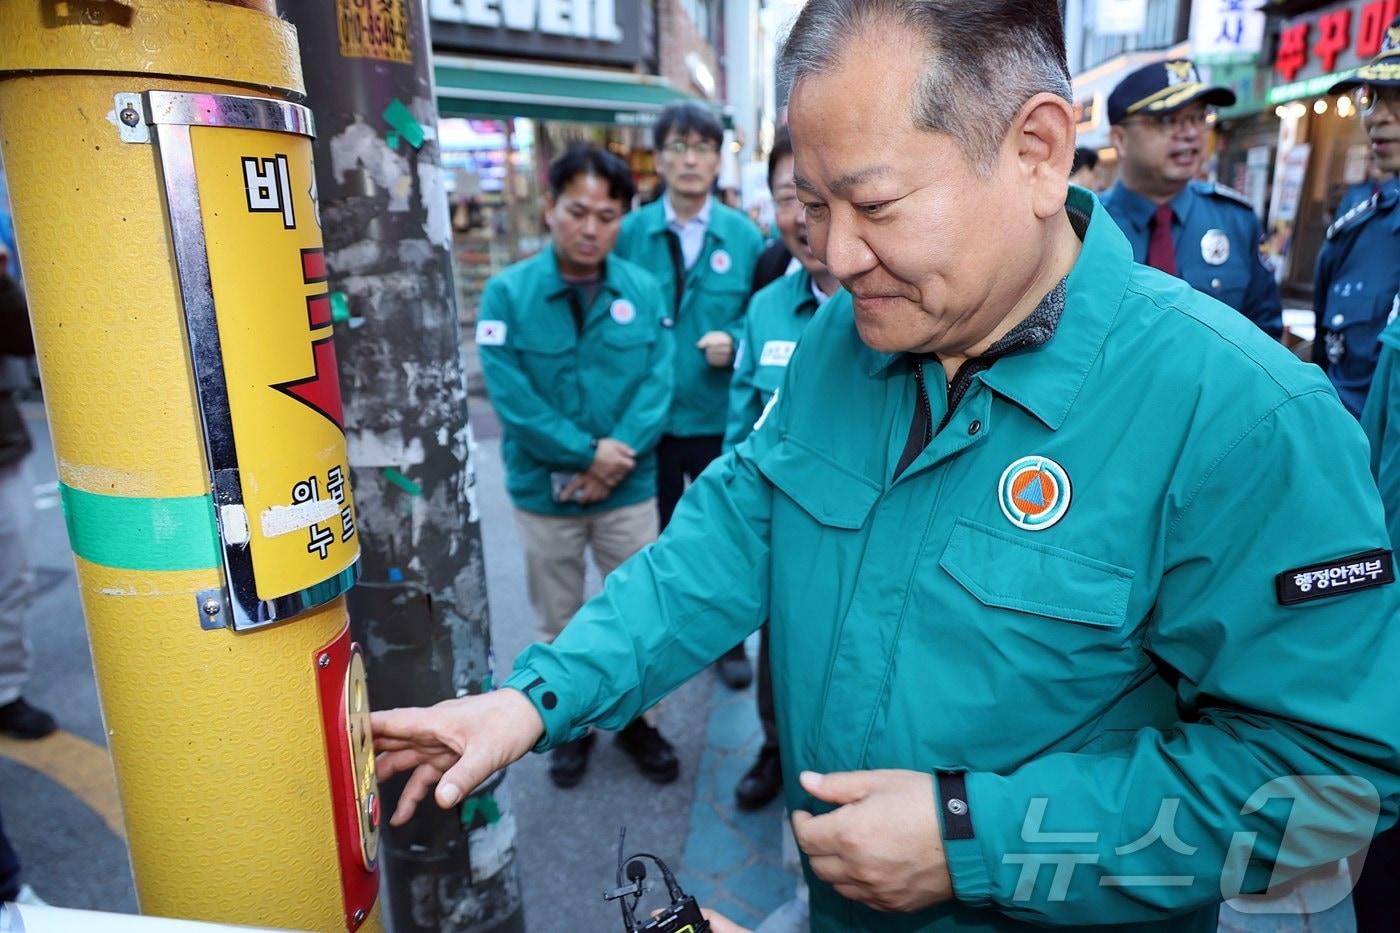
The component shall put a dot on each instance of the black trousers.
(1375, 896)
(679, 459)
(9, 869)
(765, 694)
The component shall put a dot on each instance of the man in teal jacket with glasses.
(1081, 602)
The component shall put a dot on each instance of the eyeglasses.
(1171, 122)
(705, 147)
(1369, 95)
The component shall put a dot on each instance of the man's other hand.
(612, 461)
(882, 845)
(585, 489)
(719, 349)
(454, 745)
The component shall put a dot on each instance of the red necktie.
(1161, 250)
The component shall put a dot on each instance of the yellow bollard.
(164, 201)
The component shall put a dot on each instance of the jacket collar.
(668, 211)
(1046, 380)
(1136, 210)
(654, 218)
(554, 283)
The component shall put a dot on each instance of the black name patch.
(1335, 577)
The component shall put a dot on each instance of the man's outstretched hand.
(454, 745)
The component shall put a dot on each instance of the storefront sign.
(1334, 38)
(1120, 17)
(1225, 29)
(595, 31)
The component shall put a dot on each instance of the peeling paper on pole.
(359, 148)
(285, 519)
(431, 183)
(490, 848)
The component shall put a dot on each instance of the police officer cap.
(1163, 87)
(1384, 69)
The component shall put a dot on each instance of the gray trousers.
(16, 578)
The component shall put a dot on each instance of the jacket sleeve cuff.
(958, 801)
(552, 701)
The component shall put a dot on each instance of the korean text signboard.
(594, 31)
(245, 223)
(1334, 38)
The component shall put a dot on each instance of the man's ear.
(549, 203)
(1044, 137)
(1115, 139)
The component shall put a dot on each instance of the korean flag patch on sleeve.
(1335, 577)
(491, 333)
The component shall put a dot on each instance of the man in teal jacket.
(703, 254)
(1063, 631)
(578, 364)
(778, 314)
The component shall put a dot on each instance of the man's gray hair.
(984, 58)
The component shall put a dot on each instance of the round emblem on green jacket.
(1034, 493)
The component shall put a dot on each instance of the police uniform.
(1358, 268)
(777, 316)
(1079, 602)
(1217, 238)
(563, 372)
(1363, 250)
(710, 295)
(1215, 232)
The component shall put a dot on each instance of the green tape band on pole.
(401, 118)
(131, 533)
(401, 481)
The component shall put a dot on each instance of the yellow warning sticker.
(267, 270)
(374, 29)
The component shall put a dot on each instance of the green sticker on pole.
(404, 123)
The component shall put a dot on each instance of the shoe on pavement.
(22, 721)
(568, 762)
(734, 668)
(650, 752)
(27, 896)
(761, 783)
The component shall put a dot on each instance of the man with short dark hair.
(703, 253)
(1046, 649)
(578, 364)
(1202, 232)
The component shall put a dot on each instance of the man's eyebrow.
(846, 182)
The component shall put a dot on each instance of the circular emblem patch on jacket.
(720, 262)
(1034, 493)
(622, 311)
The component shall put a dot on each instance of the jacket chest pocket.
(1048, 584)
(717, 304)
(549, 360)
(1227, 283)
(819, 509)
(1006, 624)
(624, 354)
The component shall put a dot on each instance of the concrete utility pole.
(420, 610)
